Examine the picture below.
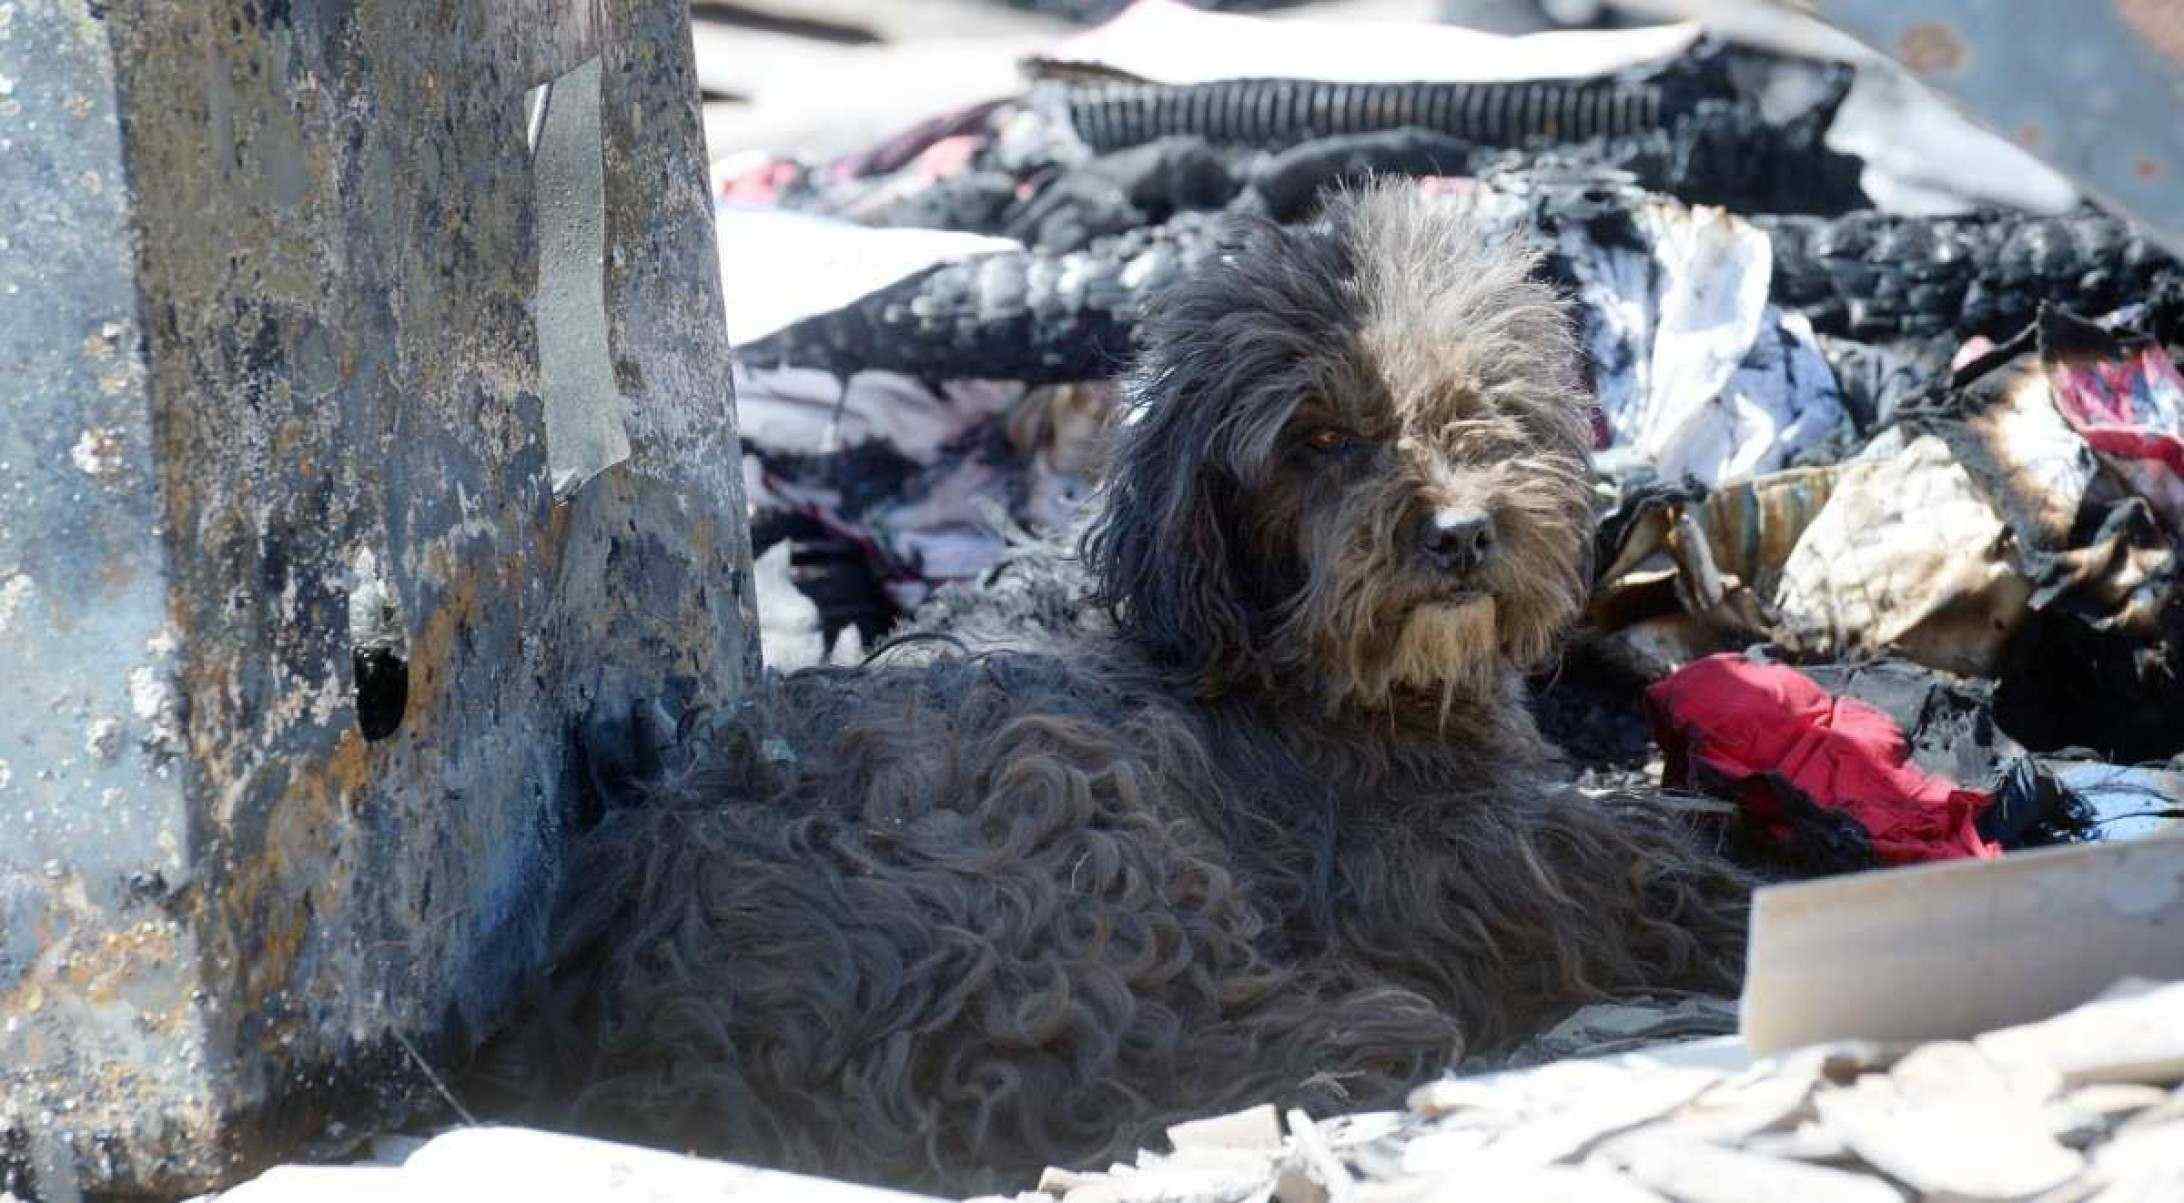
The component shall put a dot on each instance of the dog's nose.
(1456, 541)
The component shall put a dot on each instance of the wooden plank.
(1950, 950)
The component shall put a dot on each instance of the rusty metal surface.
(95, 976)
(295, 634)
(2096, 89)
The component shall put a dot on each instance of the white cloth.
(1695, 372)
(1167, 42)
(779, 267)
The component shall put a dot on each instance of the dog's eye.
(1328, 438)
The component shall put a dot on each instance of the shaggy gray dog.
(1279, 830)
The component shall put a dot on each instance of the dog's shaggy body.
(1284, 833)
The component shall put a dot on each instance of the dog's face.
(1355, 458)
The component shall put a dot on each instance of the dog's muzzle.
(1455, 542)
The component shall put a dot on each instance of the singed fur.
(1279, 829)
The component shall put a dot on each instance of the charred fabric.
(1113, 191)
(1063, 860)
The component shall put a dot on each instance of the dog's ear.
(1162, 545)
(1225, 353)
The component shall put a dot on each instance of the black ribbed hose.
(1276, 113)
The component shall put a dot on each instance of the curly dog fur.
(1278, 829)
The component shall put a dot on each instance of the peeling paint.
(152, 699)
(98, 452)
(102, 739)
(15, 590)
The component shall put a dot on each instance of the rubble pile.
(2081, 1107)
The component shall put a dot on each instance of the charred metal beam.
(295, 631)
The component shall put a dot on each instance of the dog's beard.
(1380, 635)
(1449, 649)
(1442, 651)
(1382, 641)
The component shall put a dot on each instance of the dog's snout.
(1456, 540)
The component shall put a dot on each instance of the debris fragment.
(2133, 1036)
(1973, 1147)
(1256, 1128)
(1950, 1121)
(1693, 1172)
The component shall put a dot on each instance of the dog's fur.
(1282, 833)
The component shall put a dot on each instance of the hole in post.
(382, 691)
(584, 431)
(378, 651)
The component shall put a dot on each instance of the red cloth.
(1763, 735)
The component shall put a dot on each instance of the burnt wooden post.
(367, 432)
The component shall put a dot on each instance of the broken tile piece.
(1254, 1128)
(2169, 1110)
(1810, 1141)
(1572, 1184)
(1954, 1069)
(1535, 1089)
(1443, 1151)
(2132, 1038)
(1845, 1122)
(1570, 1130)
(1175, 1184)
(2142, 1166)
(1509, 1182)
(1215, 1157)
(1398, 1190)
(1694, 1172)
(1962, 1150)
(2117, 1098)
(1741, 1107)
